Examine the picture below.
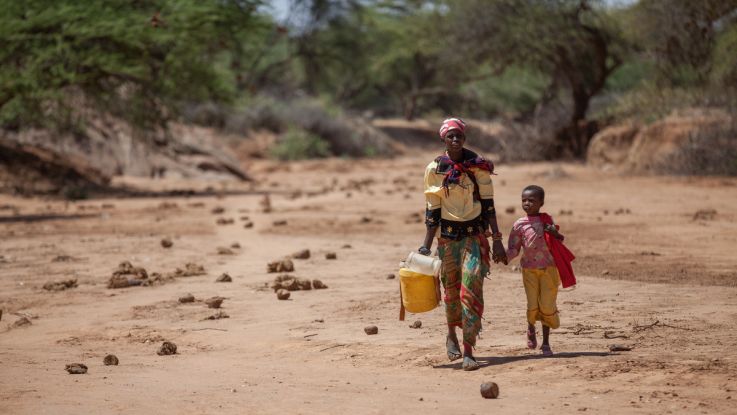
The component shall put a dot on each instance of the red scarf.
(561, 255)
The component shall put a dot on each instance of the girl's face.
(454, 140)
(531, 202)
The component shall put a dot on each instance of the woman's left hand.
(498, 254)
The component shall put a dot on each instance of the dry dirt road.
(656, 269)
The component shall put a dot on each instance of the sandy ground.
(651, 276)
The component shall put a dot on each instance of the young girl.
(539, 271)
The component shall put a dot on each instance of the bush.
(297, 144)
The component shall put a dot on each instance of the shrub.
(297, 144)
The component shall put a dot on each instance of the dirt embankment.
(695, 141)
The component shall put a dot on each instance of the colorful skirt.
(465, 264)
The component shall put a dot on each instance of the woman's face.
(454, 140)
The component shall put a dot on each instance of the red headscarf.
(452, 124)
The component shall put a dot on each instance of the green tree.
(573, 42)
(135, 59)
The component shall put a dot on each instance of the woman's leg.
(474, 268)
(450, 276)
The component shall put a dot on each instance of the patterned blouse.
(528, 234)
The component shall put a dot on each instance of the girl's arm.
(514, 244)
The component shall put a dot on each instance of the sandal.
(531, 339)
(546, 351)
(453, 349)
(469, 363)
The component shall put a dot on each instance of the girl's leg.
(546, 335)
(531, 336)
(549, 281)
(531, 281)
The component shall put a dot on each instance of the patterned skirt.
(465, 264)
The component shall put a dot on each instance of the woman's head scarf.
(452, 124)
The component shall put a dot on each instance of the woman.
(460, 200)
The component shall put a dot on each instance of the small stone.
(224, 278)
(248, 224)
(303, 254)
(283, 294)
(619, 348)
(347, 246)
(235, 245)
(416, 325)
(167, 348)
(22, 322)
(76, 368)
(187, 298)
(217, 316)
(371, 330)
(60, 285)
(605, 272)
(284, 265)
(225, 221)
(110, 360)
(489, 390)
(218, 210)
(318, 285)
(167, 243)
(282, 222)
(331, 255)
(510, 210)
(225, 251)
(214, 302)
(366, 219)
(390, 276)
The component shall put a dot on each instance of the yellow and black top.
(458, 193)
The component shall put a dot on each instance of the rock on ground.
(303, 254)
(489, 390)
(22, 322)
(187, 298)
(110, 360)
(283, 265)
(190, 270)
(76, 368)
(214, 302)
(224, 278)
(60, 285)
(167, 348)
(290, 283)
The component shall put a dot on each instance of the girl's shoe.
(453, 349)
(469, 363)
(546, 351)
(531, 339)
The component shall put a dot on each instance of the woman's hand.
(498, 254)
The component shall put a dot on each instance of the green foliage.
(724, 71)
(516, 90)
(631, 75)
(298, 144)
(135, 59)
